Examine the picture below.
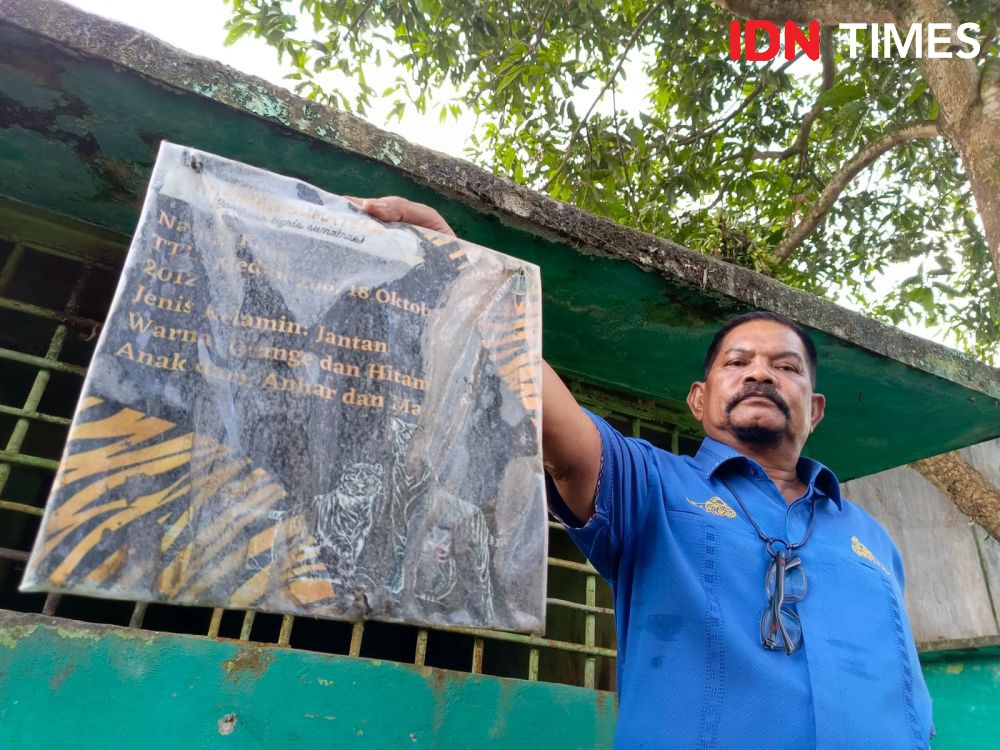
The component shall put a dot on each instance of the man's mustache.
(760, 389)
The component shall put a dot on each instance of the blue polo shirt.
(687, 571)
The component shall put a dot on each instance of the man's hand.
(571, 445)
(394, 208)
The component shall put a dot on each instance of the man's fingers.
(383, 209)
(393, 208)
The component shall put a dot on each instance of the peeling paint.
(250, 662)
(257, 100)
(392, 151)
(12, 635)
(16, 627)
(77, 633)
(333, 135)
(227, 724)
(204, 89)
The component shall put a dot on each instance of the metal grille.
(51, 305)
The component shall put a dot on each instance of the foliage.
(545, 76)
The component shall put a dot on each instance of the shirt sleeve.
(622, 492)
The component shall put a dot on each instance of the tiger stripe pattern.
(224, 531)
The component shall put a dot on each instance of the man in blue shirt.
(755, 607)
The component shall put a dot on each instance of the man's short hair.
(807, 342)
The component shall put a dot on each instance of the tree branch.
(626, 168)
(356, 23)
(827, 12)
(536, 37)
(716, 126)
(836, 185)
(607, 84)
(988, 38)
(802, 139)
(974, 495)
(539, 30)
(723, 189)
(510, 24)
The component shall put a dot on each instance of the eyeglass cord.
(770, 541)
(781, 559)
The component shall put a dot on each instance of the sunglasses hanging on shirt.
(785, 584)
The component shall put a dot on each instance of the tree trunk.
(974, 495)
(969, 104)
(978, 143)
(969, 114)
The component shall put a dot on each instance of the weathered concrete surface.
(101, 686)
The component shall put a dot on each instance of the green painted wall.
(965, 688)
(65, 684)
(82, 687)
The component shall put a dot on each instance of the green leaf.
(919, 90)
(236, 32)
(508, 79)
(840, 94)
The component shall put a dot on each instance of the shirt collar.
(713, 455)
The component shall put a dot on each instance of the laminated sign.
(295, 408)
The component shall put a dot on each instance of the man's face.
(758, 389)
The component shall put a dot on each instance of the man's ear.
(696, 399)
(818, 410)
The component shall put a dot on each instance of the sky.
(198, 27)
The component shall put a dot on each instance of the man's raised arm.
(571, 446)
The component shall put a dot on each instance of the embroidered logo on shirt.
(716, 506)
(862, 551)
